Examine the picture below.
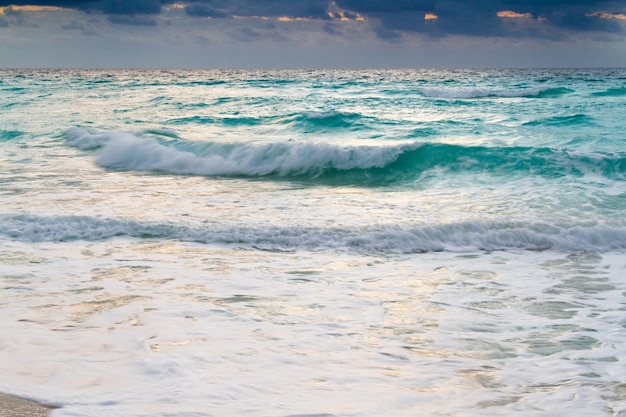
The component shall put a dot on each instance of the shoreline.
(11, 406)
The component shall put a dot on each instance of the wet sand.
(19, 407)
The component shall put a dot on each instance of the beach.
(19, 407)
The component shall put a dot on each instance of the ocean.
(314, 243)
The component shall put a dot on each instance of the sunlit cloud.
(337, 13)
(605, 15)
(175, 6)
(430, 16)
(236, 17)
(31, 8)
(292, 19)
(514, 15)
(345, 16)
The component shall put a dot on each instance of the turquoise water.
(337, 243)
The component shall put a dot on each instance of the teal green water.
(314, 243)
(548, 142)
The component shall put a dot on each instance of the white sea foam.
(322, 114)
(479, 92)
(164, 329)
(478, 235)
(128, 151)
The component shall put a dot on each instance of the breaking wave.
(344, 164)
(127, 151)
(462, 236)
(472, 93)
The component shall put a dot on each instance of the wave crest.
(391, 238)
(127, 151)
(471, 93)
(330, 119)
(363, 165)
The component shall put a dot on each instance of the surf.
(366, 164)
(483, 92)
(388, 238)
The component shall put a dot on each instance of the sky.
(312, 33)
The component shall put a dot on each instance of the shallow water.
(282, 243)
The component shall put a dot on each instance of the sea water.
(314, 243)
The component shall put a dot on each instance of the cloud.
(127, 7)
(246, 35)
(204, 10)
(582, 21)
(13, 15)
(389, 6)
(311, 9)
(605, 15)
(115, 7)
(141, 20)
(328, 28)
(514, 15)
(481, 17)
(74, 25)
(387, 35)
(391, 19)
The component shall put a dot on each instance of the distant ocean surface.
(314, 243)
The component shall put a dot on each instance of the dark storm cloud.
(479, 17)
(390, 6)
(125, 7)
(312, 9)
(584, 22)
(460, 17)
(115, 7)
(204, 10)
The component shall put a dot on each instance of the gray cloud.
(142, 20)
(74, 25)
(387, 35)
(328, 28)
(14, 17)
(246, 35)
